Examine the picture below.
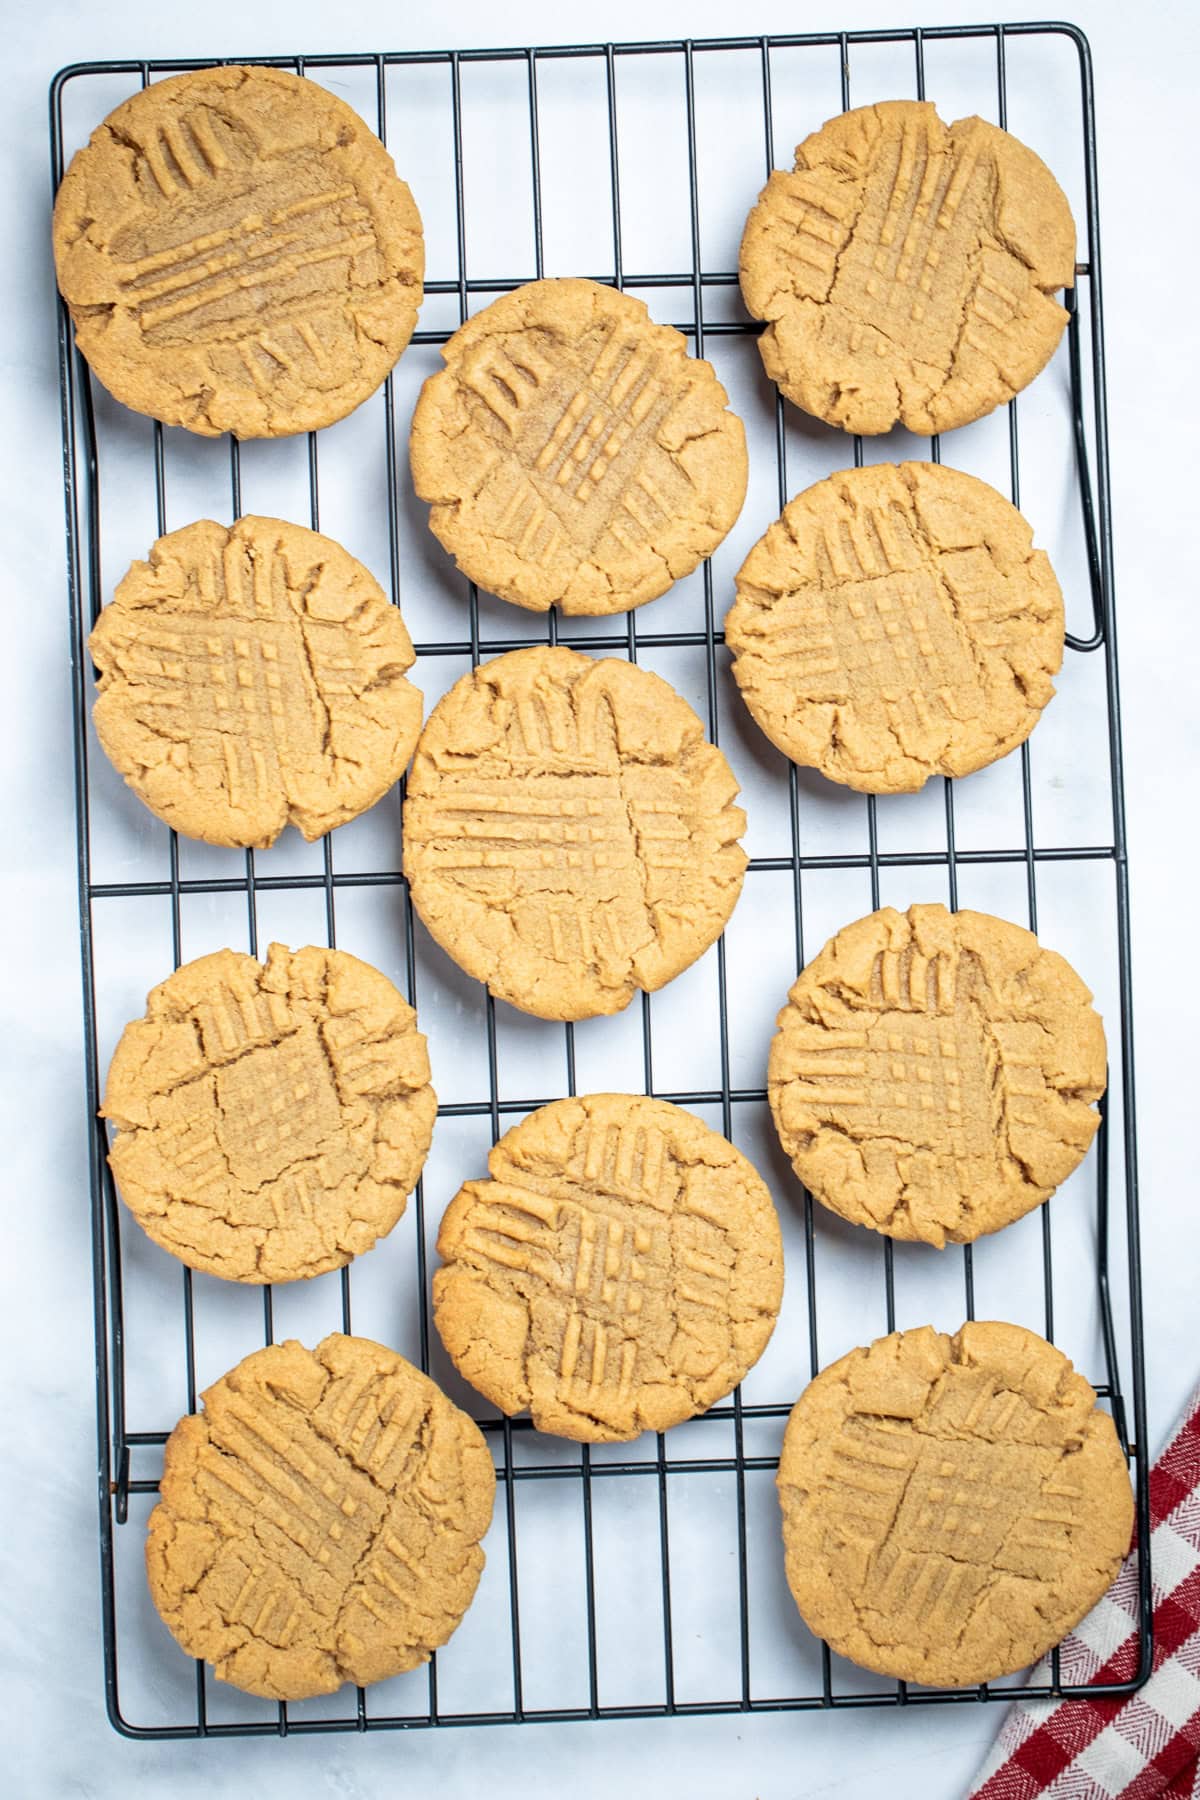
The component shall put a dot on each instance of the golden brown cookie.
(906, 269)
(934, 1073)
(238, 253)
(896, 623)
(620, 1271)
(569, 835)
(573, 453)
(951, 1506)
(319, 1521)
(271, 1120)
(252, 676)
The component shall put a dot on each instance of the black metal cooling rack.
(1116, 1186)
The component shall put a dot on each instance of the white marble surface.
(57, 1741)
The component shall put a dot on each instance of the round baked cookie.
(952, 1506)
(906, 269)
(238, 253)
(252, 676)
(896, 623)
(933, 1073)
(319, 1521)
(573, 453)
(271, 1119)
(569, 836)
(620, 1271)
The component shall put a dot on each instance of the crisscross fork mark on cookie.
(951, 1506)
(271, 1121)
(554, 820)
(620, 1265)
(890, 620)
(253, 675)
(276, 1106)
(320, 1520)
(572, 827)
(223, 689)
(570, 421)
(601, 1243)
(906, 268)
(261, 273)
(573, 452)
(933, 1073)
(927, 1498)
(576, 826)
(258, 260)
(282, 1468)
(896, 622)
(238, 253)
(918, 1071)
(898, 247)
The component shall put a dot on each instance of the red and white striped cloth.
(1146, 1744)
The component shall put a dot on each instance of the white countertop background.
(56, 1738)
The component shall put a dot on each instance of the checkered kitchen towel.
(1148, 1743)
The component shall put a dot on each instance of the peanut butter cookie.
(238, 253)
(271, 1120)
(319, 1521)
(934, 1074)
(621, 1270)
(252, 676)
(952, 1507)
(569, 835)
(573, 453)
(906, 269)
(896, 623)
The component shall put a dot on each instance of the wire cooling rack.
(645, 1579)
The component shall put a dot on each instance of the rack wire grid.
(645, 1579)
